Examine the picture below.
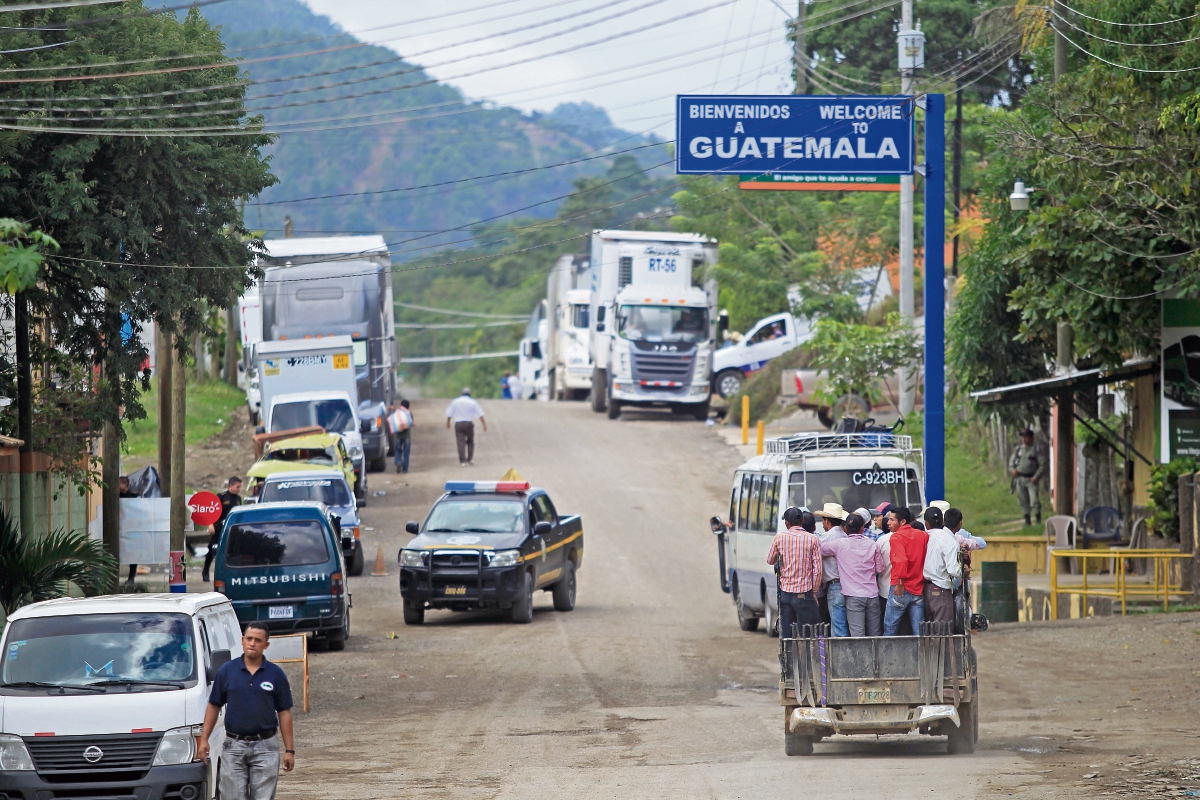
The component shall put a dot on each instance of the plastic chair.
(1060, 535)
(1137, 540)
(1101, 524)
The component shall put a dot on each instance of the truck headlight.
(412, 558)
(14, 755)
(504, 558)
(178, 746)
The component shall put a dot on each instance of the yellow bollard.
(759, 448)
(745, 420)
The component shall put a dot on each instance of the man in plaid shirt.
(799, 571)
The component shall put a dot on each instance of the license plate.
(874, 695)
(281, 612)
(456, 590)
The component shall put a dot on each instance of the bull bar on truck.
(875, 684)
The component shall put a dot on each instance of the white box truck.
(307, 365)
(568, 359)
(652, 321)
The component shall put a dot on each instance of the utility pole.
(232, 333)
(799, 51)
(957, 176)
(178, 401)
(164, 365)
(1064, 433)
(24, 414)
(908, 387)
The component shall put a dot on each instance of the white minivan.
(105, 696)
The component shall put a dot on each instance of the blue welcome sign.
(811, 134)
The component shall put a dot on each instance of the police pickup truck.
(490, 544)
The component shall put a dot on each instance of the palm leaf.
(41, 568)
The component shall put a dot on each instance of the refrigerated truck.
(652, 321)
(569, 297)
(307, 365)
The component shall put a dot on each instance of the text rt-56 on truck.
(490, 544)
(652, 321)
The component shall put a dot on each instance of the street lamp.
(1019, 199)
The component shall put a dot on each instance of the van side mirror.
(600, 318)
(718, 526)
(364, 426)
(542, 528)
(218, 659)
(412, 527)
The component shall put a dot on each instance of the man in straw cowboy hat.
(832, 515)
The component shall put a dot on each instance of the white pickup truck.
(770, 338)
(105, 696)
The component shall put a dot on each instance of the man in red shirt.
(908, 574)
(800, 571)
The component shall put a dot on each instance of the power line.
(1126, 24)
(453, 313)
(439, 326)
(38, 47)
(57, 4)
(1084, 50)
(1086, 32)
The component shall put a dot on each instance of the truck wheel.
(962, 739)
(378, 464)
(564, 590)
(614, 408)
(599, 390)
(701, 411)
(522, 609)
(771, 619)
(414, 612)
(746, 618)
(728, 381)
(254, 418)
(355, 567)
(797, 744)
(337, 639)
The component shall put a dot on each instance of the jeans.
(862, 616)
(837, 609)
(800, 609)
(400, 450)
(908, 603)
(249, 770)
(464, 436)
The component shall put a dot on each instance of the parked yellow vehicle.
(317, 451)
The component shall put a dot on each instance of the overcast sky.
(721, 46)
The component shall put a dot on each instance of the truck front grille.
(662, 367)
(122, 751)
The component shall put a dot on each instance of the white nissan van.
(104, 697)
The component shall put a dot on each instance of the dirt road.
(649, 689)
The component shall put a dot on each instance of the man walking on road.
(907, 549)
(401, 421)
(230, 499)
(1028, 467)
(941, 568)
(799, 573)
(831, 517)
(462, 412)
(858, 562)
(258, 705)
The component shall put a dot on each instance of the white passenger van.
(858, 470)
(104, 697)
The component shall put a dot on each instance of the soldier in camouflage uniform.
(1028, 467)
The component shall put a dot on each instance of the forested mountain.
(388, 126)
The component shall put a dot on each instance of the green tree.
(857, 357)
(33, 569)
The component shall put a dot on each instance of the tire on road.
(795, 744)
(357, 560)
(701, 411)
(378, 464)
(614, 406)
(728, 381)
(414, 612)
(961, 740)
(337, 639)
(599, 390)
(564, 590)
(746, 618)
(522, 609)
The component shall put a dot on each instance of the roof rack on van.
(830, 442)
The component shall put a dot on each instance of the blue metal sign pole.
(935, 304)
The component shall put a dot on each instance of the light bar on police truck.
(487, 486)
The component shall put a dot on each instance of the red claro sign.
(205, 508)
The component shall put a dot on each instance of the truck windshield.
(276, 544)
(88, 648)
(861, 488)
(477, 516)
(329, 491)
(663, 324)
(579, 316)
(332, 415)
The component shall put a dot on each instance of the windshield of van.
(97, 648)
(862, 488)
(332, 415)
(477, 516)
(321, 456)
(663, 324)
(329, 491)
(276, 544)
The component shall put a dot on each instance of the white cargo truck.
(652, 320)
(307, 365)
(568, 359)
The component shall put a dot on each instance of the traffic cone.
(380, 569)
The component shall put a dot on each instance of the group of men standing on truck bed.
(870, 573)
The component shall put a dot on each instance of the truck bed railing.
(837, 442)
(931, 668)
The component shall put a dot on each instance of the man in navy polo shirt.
(258, 706)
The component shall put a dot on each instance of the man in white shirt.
(514, 386)
(942, 568)
(462, 412)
